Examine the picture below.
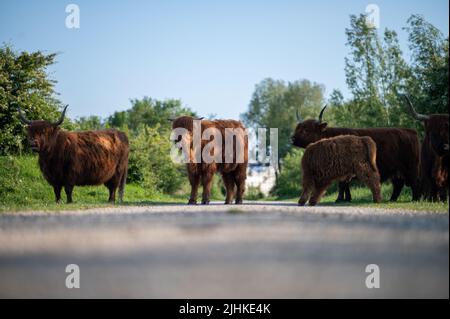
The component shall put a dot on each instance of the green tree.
(289, 182)
(376, 74)
(429, 50)
(274, 104)
(24, 82)
(150, 112)
(150, 164)
(92, 122)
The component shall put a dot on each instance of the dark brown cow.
(434, 154)
(233, 173)
(397, 152)
(69, 159)
(339, 158)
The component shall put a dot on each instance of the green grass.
(22, 187)
(363, 197)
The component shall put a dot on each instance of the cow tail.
(372, 153)
(122, 183)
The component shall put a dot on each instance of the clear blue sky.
(210, 54)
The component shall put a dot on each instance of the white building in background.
(260, 176)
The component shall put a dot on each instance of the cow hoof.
(192, 202)
(205, 202)
(339, 200)
(238, 201)
(227, 203)
(301, 204)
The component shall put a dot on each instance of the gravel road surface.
(256, 250)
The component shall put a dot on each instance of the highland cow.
(69, 159)
(398, 152)
(434, 155)
(339, 158)
(231, 163)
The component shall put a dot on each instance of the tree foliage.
(24, 82)
(274, 104)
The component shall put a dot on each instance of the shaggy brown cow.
(434, 155)
(69, 159)
(339, 158)
(397, 152)
(234, 173)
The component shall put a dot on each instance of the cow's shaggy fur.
(339, 158)
(233, 174)
(434, 154)
(69, 159)
(398, 153)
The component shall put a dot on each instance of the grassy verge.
(363, 197)
(22, 187)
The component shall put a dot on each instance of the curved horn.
(299, 119)
(61, 118)
(22, 117)
(321, 113)
(199, 118)
(417, 116)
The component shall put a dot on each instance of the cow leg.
(372, 180)
(397, 186)
(112, 185)
(194, 180)
(318, 193)
(304, 195)
(57, 191)
(341, 194)
(348, 195)
(308, 186)
(112, 193)
(443, 194)
(228, 181)
(240, 175)
(207, 179)
(68, 189)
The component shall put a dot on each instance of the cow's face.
(437, 130)
(40, 134)
(182, 129)
(308, 132)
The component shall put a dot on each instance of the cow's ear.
(323, 126)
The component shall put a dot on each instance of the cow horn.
(22, 117)
(199, 118)
(321, 113)
(61, 118)
(170, 119)
(417, 116)
(299, 119)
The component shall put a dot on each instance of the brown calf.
(398, 152)
(339, 158)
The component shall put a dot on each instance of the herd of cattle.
(371, 155)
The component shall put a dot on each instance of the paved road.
(264, 250)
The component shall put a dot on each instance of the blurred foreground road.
(257, 250)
